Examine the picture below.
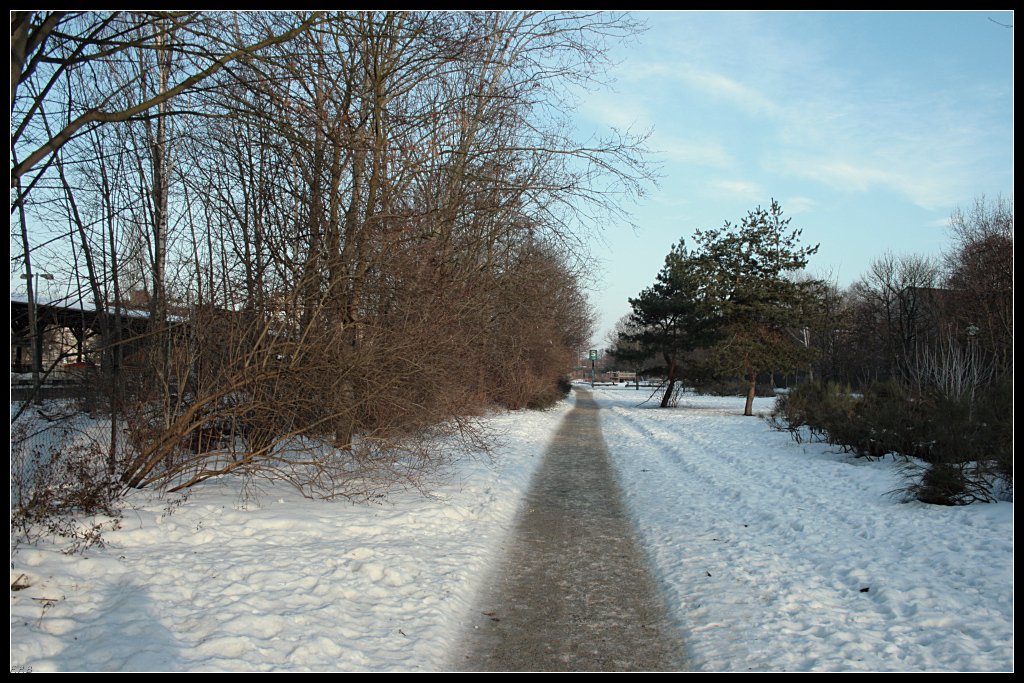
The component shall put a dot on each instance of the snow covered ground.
(763, 546)
(221, 582)
(777, 556)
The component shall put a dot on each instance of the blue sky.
(869, 128)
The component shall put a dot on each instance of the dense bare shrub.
(59, 481)
(980, 276)
(361, 233)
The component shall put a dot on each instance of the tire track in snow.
(745, 562)
(717, 563)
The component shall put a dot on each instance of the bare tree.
(896, 305)
(48, 48)
(980, 274)
(624, 348)
(364, 224)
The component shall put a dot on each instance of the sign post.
(593, 362)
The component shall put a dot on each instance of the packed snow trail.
(574, 592)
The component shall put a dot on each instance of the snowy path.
(574, 592)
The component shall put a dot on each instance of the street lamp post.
(34, 331)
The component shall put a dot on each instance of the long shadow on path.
(574, 592)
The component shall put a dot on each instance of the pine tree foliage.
(736, 294)
(751, 269)
(675, 315)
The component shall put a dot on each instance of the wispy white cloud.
(928, 190)
(718, 85)
(695, 152)
(842, 174)
(704, 81)
(622, 113)
(739, 189)
(813, 110)
(797, 205)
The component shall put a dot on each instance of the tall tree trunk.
(160, 190)
(670, 363)
(748, 409)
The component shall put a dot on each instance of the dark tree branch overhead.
(26, 39)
